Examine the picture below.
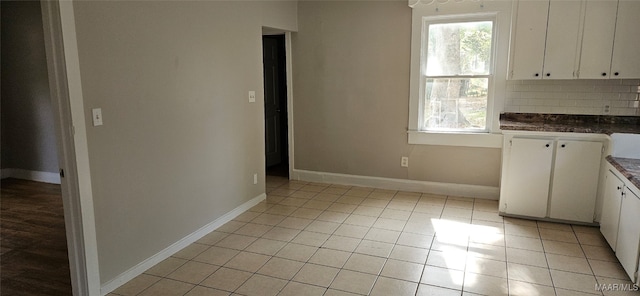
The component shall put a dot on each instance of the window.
(457, 74)
(459, 56)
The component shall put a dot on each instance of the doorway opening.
(276, 130)
(34, 255)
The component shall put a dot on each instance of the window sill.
(482, 140)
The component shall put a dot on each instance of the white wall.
(180, 141)
(351, 67)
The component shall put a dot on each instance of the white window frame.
(499, 12)
(428, 21)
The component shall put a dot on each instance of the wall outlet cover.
(404, 162)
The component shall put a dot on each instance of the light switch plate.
(252, 96)
(97, 116)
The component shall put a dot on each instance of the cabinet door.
(528, 39)
(528, 176)
(575, 180)
(629, 233)
(626, 46)
(561, 49)
(611, 208)
(597, 39)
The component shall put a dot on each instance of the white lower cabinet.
(575, 180)
(612, 198)
(550, 177)
(529, 171)
(620, 222)
(629, 233)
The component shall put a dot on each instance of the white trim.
(46, 177)
(289, 65)
(141, 267)
(476, 191)
(73, 156)
(484, 140)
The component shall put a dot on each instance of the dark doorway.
(275, 105)
(34, 258)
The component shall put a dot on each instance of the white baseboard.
(130, 274)
(46, 177)
(476, 191)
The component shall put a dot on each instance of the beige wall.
(28, 134)
(180, 141)
(351, 65)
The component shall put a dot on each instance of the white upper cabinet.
(528, 39)
(560, 56)
(625, 62)
(569, 39)
(597, 39)
(545, 39)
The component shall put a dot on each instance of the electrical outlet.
(404, 162)
(255, 179)
(606, 109)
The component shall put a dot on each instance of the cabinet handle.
(546, 145)
(548, 74)
(616, 73)
(619, 187)
(604, 73)
(537, 74)
(563, 145)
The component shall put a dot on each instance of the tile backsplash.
(590, 97)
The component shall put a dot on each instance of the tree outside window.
(457, 78)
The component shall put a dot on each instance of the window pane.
(456, 103)
(459, 49)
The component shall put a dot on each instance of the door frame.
(71, 137)
(289, 70)
(288, 52)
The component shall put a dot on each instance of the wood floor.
(33, 248)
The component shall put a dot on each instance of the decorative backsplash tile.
(590, 97)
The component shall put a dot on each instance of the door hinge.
(603, 149)
(61, 173)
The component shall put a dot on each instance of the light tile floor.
(323, 239)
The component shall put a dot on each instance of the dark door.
(275, 101)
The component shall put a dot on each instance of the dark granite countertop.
(594, 124)
(629, 167)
